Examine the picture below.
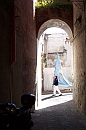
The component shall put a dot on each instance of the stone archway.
(50, 23)
(56, 23)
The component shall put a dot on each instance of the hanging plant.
(51, 3)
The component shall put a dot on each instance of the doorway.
(40, 72)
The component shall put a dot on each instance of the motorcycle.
(14, 118)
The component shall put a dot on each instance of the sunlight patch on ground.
(49, 100)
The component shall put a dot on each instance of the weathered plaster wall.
(18, 78)
(24, 69)
(79, 51)
(57, 42)
(5, 46)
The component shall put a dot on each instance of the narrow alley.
(24, 59)
(58, 113)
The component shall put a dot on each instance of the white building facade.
(52, 44)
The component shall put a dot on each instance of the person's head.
(56, 77)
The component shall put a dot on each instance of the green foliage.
(44, 61)
(51, 3)
(43, 3)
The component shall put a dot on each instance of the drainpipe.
(12, 48)
(13, 36)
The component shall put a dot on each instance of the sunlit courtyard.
(49, 100)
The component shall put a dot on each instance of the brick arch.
(55, 23)
(45, 14)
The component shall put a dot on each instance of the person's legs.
(58, 90)
(54, 90)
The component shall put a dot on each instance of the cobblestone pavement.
(58, 113)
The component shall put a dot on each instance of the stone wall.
(45, 14)
(24, 69)
(5, 49)
(19, 32)
(79, 60)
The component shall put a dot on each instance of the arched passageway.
(56, 23)
(16, 79)
(63, 13)
(76, 19)
(50, 23)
